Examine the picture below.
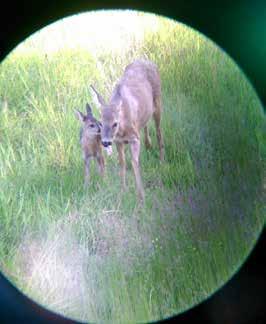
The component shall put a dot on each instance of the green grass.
(91, 254)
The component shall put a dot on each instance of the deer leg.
(100, 161)
(157, 120)
(147, 138)
(87, 170)
(135, 151)
(122, 161)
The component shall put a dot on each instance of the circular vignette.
(238, 268)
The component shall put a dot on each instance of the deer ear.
(88, 109)
(80, 116)
(97, 98)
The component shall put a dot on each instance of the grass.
(91, 254)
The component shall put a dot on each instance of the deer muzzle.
(106, 143)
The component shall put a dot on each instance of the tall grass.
(91, 254)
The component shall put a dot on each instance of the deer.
(136, 98)
(90, 140)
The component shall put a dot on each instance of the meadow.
(90, 253)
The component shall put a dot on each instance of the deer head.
(110, 118)
(90, 124)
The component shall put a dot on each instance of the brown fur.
(135, 100)
(90, 140)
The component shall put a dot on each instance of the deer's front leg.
(100, 161)
(135, 151)
(87, 160)
(122, 162)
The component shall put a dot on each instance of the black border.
(239, 27)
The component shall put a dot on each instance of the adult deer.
(135, 99)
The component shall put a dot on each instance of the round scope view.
(131, 167)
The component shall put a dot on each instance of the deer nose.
(106, 144)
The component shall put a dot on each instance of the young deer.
(135, 99)
(90, 140)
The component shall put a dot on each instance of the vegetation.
(92, 254)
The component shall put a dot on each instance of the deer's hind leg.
(135, 152)
(147, 138)
(157, 120)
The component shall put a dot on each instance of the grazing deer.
(135, 99)
(90, 140)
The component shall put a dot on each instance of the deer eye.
(92, 125)
(115, 124)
